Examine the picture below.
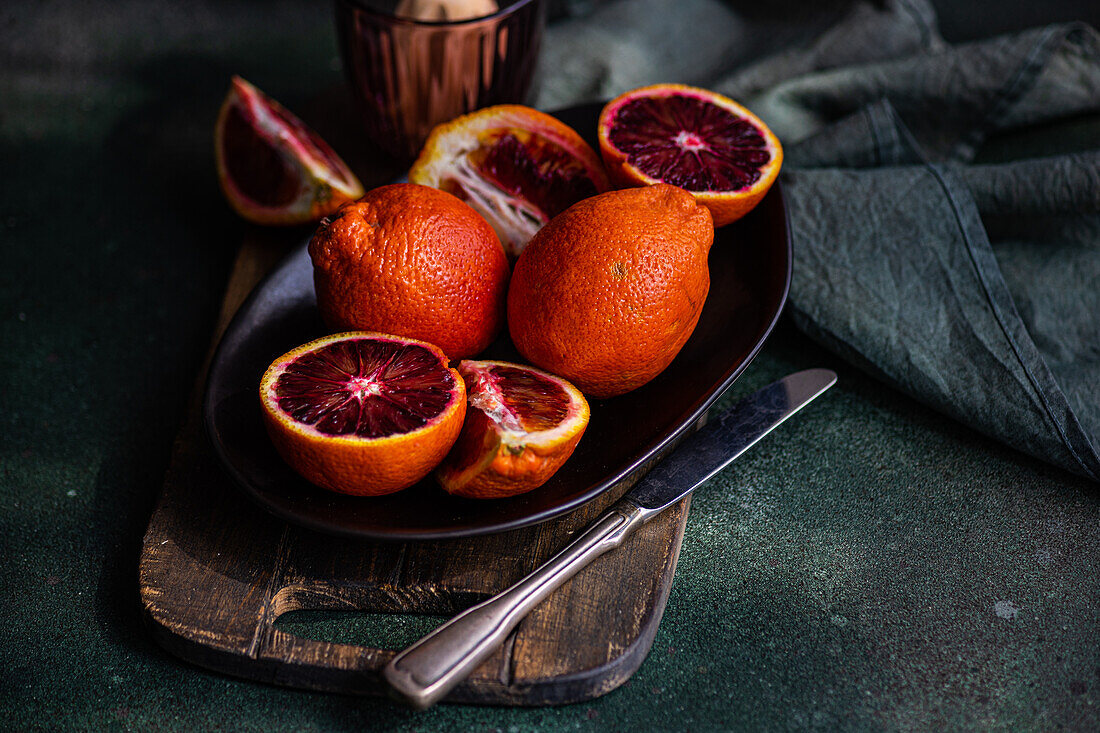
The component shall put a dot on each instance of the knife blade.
(721, 441)
(429, 669)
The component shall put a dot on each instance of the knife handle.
(433, 666)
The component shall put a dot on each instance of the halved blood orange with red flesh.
(521, 425)
(516, 166)
(693, 138)
(274, 169)
(363, 413)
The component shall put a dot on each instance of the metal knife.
(433, 666)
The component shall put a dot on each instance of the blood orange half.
(363, 413)
(514, 165)
(693, 138)
(274, 169)
(521, 425)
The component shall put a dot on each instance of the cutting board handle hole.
(373, 630)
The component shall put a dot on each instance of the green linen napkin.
(945, 200)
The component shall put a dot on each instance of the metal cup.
(408, 76)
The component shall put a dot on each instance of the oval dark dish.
(750, 268)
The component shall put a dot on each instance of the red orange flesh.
(693, 138)
(363, 413)
(521, 425)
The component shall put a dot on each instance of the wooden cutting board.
(216, 571)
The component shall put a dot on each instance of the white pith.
(514, 220)
(487, 397)
(363, 387)
(689, 141)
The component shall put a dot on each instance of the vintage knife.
(431, 667)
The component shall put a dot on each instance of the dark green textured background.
(869, 566)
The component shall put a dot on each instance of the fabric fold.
(915, 296)
(957, 341)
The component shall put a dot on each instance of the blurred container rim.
(363, 6)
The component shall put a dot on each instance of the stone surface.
(870, 565)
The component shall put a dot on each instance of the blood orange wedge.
(273, 169)
(514, 165)
(692, 138)
(521, 425)
(363, 413)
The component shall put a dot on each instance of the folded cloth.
(945, 200)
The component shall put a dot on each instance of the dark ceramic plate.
(750, 267)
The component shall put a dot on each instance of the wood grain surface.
(216, 571)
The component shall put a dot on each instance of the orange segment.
(694, 138)
(272, 168)
(521, 425)
(514, 165)
(363, 413)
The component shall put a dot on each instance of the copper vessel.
(408, 75)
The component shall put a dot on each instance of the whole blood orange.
(521, 425)
(363, 413)
(693, 138)
(273, 169)
(607, 293)
(413, 261)
(516, 166)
